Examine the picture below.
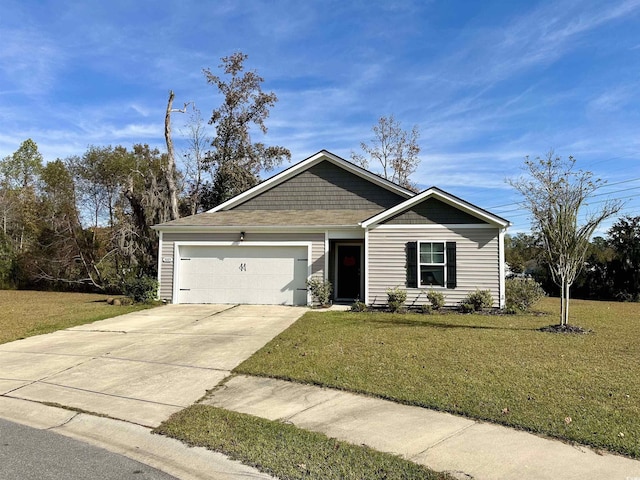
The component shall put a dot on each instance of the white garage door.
(243, 274)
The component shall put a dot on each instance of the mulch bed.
(565, 329)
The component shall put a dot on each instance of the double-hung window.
(432, 263)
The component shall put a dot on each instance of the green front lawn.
(584, 388)
(284, 450)
(27, 313)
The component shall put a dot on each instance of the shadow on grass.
(392, 321)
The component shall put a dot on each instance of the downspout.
(326, 269)
(366, 266)
(326, 256)
(159, 263)
(501, 267)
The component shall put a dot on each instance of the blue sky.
(487, 83)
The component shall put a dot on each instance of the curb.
(133, 441)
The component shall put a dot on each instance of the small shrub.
(467, 307)
(479, 300)
(426, 308)
(321, 290)
(522, 293)
(436, 299)
(142, 289)
(359, 306)
(396, 298)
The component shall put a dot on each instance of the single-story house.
(327, 217)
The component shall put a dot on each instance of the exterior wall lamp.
(241, 236)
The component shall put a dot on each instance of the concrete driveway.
(143, 366)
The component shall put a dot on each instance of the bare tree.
(170, 168)
(194, 159)
(395, 149)
(554, 193)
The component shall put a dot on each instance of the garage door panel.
(243, 274)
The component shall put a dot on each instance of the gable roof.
(435, 192)
(300, 167)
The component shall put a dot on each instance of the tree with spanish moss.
(555, 194)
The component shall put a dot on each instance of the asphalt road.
(31, 454)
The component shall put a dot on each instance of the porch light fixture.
(241, 236)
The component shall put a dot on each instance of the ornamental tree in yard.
(555, 194)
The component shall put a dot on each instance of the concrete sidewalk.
(463, 447)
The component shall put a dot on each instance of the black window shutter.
(412, 265)
(451, 265)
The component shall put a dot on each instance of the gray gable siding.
(433, 211)
(323, 186)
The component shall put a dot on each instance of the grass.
(582, 388)
(284, 450)
(27, 313)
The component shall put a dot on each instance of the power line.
(618, 183)
(608, 159)
(596, 195)
(616, 191)
(526, 212)
(591, 196)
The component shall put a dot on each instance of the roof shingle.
(259, 218)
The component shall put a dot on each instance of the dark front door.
(348, 268)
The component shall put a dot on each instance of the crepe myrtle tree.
(554, 192)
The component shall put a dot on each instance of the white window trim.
(443, 265)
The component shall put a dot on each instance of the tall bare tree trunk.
(169, 171)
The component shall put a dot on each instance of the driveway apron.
(140, 367)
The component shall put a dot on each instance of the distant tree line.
(82, 222)
(611, 269)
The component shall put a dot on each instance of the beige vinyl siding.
(169, 239)
(478, 264)
(166, 268)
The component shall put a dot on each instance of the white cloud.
(614, 98)
(29, 61)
